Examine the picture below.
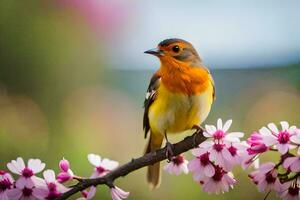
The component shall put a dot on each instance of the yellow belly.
(175, 112)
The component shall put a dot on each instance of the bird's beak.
(155, 52)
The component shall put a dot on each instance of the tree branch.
(149, 159)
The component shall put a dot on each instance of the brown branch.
(149, 159)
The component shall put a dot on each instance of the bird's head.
(176, 51)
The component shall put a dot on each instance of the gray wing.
(149, 99)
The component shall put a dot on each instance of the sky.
(227, 34)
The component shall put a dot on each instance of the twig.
(149, 159)
(292, 178)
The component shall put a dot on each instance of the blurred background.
(73, 78)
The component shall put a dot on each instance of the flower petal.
(295, 138)
(194, 164)
(21, 164)
(15, 193)
(219, 124)
(122, 193)
(94, 159)
(37, 181)
(284, 125)
(288, 161)
(40, 192)
(184, 168)
(264, 131)
(210, 130)
(206, 144)
(36, 165)
(198, 151)
(109, 164)
(295, 167)
(282, 148)
(12, 168)
(266, 167)
(234, 136)
(91, 192)
(209, 170)
(273, 128)
(49, 176)
(269, 140)
(227, 125)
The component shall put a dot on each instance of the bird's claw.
(169, 151)
(199, 129)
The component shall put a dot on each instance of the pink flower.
(27, 178)
(220, 134)
(51, 188)
(254, 147)
(290, 190)
(6, 183)
(281, 139)
(64, 165)
(201, 166)
(220, 144)
(292, 163)
(218, 153)
(266, 177)
(177, 165)
(118, 194)
(102, 166)
(66, 173)
(221, 181)
(237, 151)
(256, 144)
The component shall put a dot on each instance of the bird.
(179, 97)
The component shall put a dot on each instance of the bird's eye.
(176, 49)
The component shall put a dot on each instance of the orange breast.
(178, 77)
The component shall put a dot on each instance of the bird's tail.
(153, 172)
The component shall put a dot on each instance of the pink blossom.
(6, 183)
(64, 165)
(27, 173)
(66, 173)
(177, 165)
(201, 166)
(118, 194)
(51, 188)
(290, 190)
(256, 144)
(218, 153)
(254, 147)
(281, 139)
(102, 166)
(237, 151)
(266, 177)
(221, 181)
(292, 163)
(219, 133)
(220, 143)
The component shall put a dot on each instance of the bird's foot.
(169, 151)
(199, 130)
